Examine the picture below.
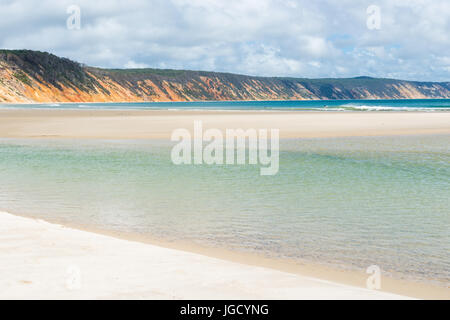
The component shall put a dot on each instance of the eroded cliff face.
(30, 76)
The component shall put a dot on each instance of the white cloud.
(134, 65)
(261, 37)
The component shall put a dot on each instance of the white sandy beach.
(40, 260)
(159, 124)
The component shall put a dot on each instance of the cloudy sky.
(408, 39)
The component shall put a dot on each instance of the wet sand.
(156, 124)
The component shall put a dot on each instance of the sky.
(402, 39)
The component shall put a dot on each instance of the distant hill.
(33, 76)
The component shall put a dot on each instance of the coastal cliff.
(31, 76)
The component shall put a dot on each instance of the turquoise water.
(312, 105)
(344, 202)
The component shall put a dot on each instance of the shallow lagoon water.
(344, 202)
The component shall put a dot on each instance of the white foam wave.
(390, 108)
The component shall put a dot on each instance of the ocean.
(304, 105)
(347, 203)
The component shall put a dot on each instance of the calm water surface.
(344, 202)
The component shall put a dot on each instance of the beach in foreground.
(40, 260)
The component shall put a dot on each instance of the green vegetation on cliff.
(157, 84)
(47, 68)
